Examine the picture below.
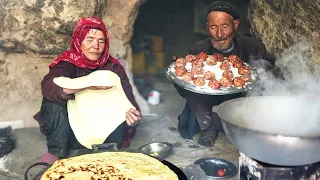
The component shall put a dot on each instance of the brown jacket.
(55, 93)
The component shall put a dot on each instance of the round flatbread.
(111, 166)
(95, 114)
(96, 78)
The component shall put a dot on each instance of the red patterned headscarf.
(75, 55)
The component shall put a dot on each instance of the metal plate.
(170, 74)
(211, 166)
(159, 150)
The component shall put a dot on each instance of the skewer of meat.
(244, 70)
(191, 58)
(227, 74)
(198, 81)
(214, 84)
(233, 58)
(197, 62)
(246, 78)
(239, 82)
(225, 65)
(211, 61)
(203, 56)
(180, 71)
(187, 77)
(197, 70)
(226, 82)
(208, 75)
(237, 64)
(218, 56)
(180, 63)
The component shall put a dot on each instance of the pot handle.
(215, 108)
(97, 147)
(32, 166)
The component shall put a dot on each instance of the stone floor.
(160, 126)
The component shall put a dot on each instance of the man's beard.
(222, 47)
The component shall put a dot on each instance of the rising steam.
(296, 109)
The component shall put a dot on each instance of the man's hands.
(133, 117)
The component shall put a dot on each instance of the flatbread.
(95, 114)
(96, 78)
(111, 166)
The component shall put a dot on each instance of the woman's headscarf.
(75, 55)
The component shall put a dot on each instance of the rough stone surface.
(34, 32)
(282, 23)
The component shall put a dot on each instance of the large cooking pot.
(273, 129)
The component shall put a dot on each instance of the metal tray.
(170, 74)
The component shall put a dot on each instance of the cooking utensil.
(213, 166)
(159, 150)
(107, 147)
(272, 129)
(170, 74)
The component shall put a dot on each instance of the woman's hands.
(133, 117)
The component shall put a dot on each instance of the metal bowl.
(211, 166)
(159, 150)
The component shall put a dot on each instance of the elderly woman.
(88, 52)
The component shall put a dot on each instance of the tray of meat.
(212, 74)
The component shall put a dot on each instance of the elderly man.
(222, 24)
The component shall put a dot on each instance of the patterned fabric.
(75, 55)
(129, 133)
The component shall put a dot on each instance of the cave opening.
(168, 28)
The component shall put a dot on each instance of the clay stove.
(251, 169)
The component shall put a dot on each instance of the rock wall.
(34, 32)
(282, 23)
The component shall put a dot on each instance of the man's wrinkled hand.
(133, 117)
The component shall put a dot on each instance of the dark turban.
(224, 6)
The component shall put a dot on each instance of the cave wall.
(280, 24)
(34, 32)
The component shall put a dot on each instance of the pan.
(278, 130)
(107, 147)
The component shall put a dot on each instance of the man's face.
(93, 44)
(221, 27)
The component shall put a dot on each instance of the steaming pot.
(272, 129)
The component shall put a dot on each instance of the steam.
(295, 110)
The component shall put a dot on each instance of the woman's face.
(93, 44)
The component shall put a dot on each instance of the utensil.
(159, 150)
(213, 166)
(170, 74)
(271, 129)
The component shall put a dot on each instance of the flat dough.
(110, 165)
(95, 114)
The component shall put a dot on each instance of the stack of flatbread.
(111, 166)
(95, 114)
